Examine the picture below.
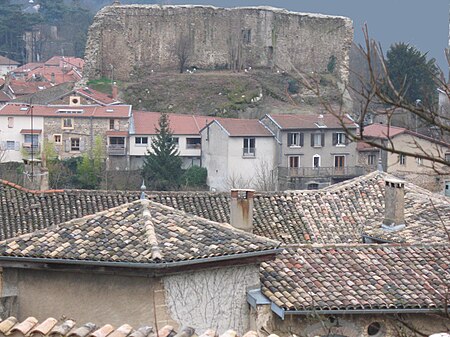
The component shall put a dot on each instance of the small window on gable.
(371, 159)
(10, 122)
(402, 159)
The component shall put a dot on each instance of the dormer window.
(64, 111)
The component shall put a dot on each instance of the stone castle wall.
(127, 39)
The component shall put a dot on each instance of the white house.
(20, 136)
(7, 65)
(185, 130)
(238, 153)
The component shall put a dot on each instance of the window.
(74, 144)
(31, 140)
(10, 145)
(339, 162)
(111, 124)
(295, 139)
(10, 122)
(117, 141)
(316, 161)
(191, 143)
(67, 123)
(419, 161)
(294, 161)
(402, 159)
(249, 147)
(340, 139)
(313, 186)
(317, 139)
(57, 139)
(371, 158)
(141, 140)
(247, 36)
(447, 157)
(375, 329)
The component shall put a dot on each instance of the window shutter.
(116, 124)
(17, 146)
(347, 140)
(312, 139)
(323, 139)
(335, 138)
(3, 146)
(289, 136)
(67, 145)
(82, 144)
(301, 139)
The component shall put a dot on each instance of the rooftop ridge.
(367, 245)
(150, 230)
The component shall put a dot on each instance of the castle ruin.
(127, 39)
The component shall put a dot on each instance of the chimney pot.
(394, 209)
(115, 91)
(241, 209)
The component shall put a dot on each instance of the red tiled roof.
(382, 131)
(298, 121)
(97, 96)
(243, 127)
(52, 74)
(28, 67)
(145, 123)
(62, 61)
(2, 81)
(7, 61)
(26, 88)
(116, 111)
(29, 131)
(4, 97)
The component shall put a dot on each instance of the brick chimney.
(394, 209)
(241, 209)
(115, 91)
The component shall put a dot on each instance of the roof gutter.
(141, 265)
(282, 312)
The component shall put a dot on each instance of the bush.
(195, 176)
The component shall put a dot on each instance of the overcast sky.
(422, 23)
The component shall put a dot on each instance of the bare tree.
(183, 51)
(378, 96)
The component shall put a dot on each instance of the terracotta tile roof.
(52, 74)
(145, 123)
(116, 111)
(243, 127)
(26, 88)
(4, 97)
(6, 61)
(69, 328)
(312, 121)
(337, 214)
(96, 96)
(64, 61)
(28, 67)
(351, 277)
(30, 131)
(382, 131)
(46, 96)
(141, 232)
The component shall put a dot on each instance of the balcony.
(312, 172)
(117, 150)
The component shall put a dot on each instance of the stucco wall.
(212, 299)
(135, 36)
(348, 325)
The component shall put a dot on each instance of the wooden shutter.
(82, 144)
(17, 146)
(301, 139)
(67, 145)
(335, 138)
(347, 140)
(289, 140)
(323, 139)
(312, 139)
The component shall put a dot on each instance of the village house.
(71, 129)
(7, 65)
(313, 150)
(238, 153)
(424, 172)
(185, 130)
(137, 262)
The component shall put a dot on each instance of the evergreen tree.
(408, 68)
(162, 165)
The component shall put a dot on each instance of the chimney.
(52, 78)
(241, 209)
(115, 91)
(394, 209)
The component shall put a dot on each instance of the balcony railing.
(248, 152)
(117, 150)
(348, 171)
(28, 148)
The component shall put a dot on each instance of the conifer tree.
(162, 164)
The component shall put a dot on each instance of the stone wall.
(135, 38)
